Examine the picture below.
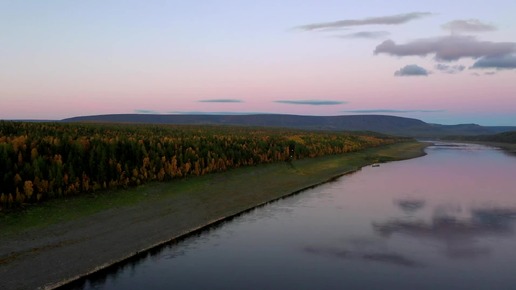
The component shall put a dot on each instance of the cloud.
(221, 101)
(382, 20)
(450, 69)
(411, 70)
(366, 34)
(447, 48)
(489, 73)
(393, 111)
(497, 62)
(469, 25)
(140, 111)
(310, 102)
(213, 113)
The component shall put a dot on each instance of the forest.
(40, 161)
(505, 137)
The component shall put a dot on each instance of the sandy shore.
(51, 256)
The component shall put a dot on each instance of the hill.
(379, 123)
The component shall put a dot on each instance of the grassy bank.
(81, 235)
(219, 187)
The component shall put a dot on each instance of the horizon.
(432, 60)
(247, 114)
(240, 114)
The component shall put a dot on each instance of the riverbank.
(50, 245)
(507, 147)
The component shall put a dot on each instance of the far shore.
(507, 147)
(50, 245)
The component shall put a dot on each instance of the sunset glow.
(432, 60)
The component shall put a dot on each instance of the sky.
(446, 62)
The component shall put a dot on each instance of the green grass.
(216, 195)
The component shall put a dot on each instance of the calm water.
(443, 221)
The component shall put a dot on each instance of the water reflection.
(499, 217)
(443, 221)
(391, 258)
(409, 205)
(460, 146)
(458, 231)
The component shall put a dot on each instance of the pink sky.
(63, 59)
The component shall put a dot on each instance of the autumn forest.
(40, 161)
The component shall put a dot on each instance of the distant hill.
(379, 123)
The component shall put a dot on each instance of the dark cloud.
(366, 34)
(447, 48)
(497, 62)
(393, 111)
(450, 69)
(140, 111)
(310, 102)
(411, 70)
(382, 20)
(469, 25)
(220, 101)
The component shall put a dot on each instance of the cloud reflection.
(393, 259)
(460, 235)
(379, 256)
(410, 205)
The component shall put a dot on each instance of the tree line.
(39, 161)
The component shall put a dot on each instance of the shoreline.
(506, 147)
(214, 223)
(79, 248)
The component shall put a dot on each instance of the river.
(442, 221)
